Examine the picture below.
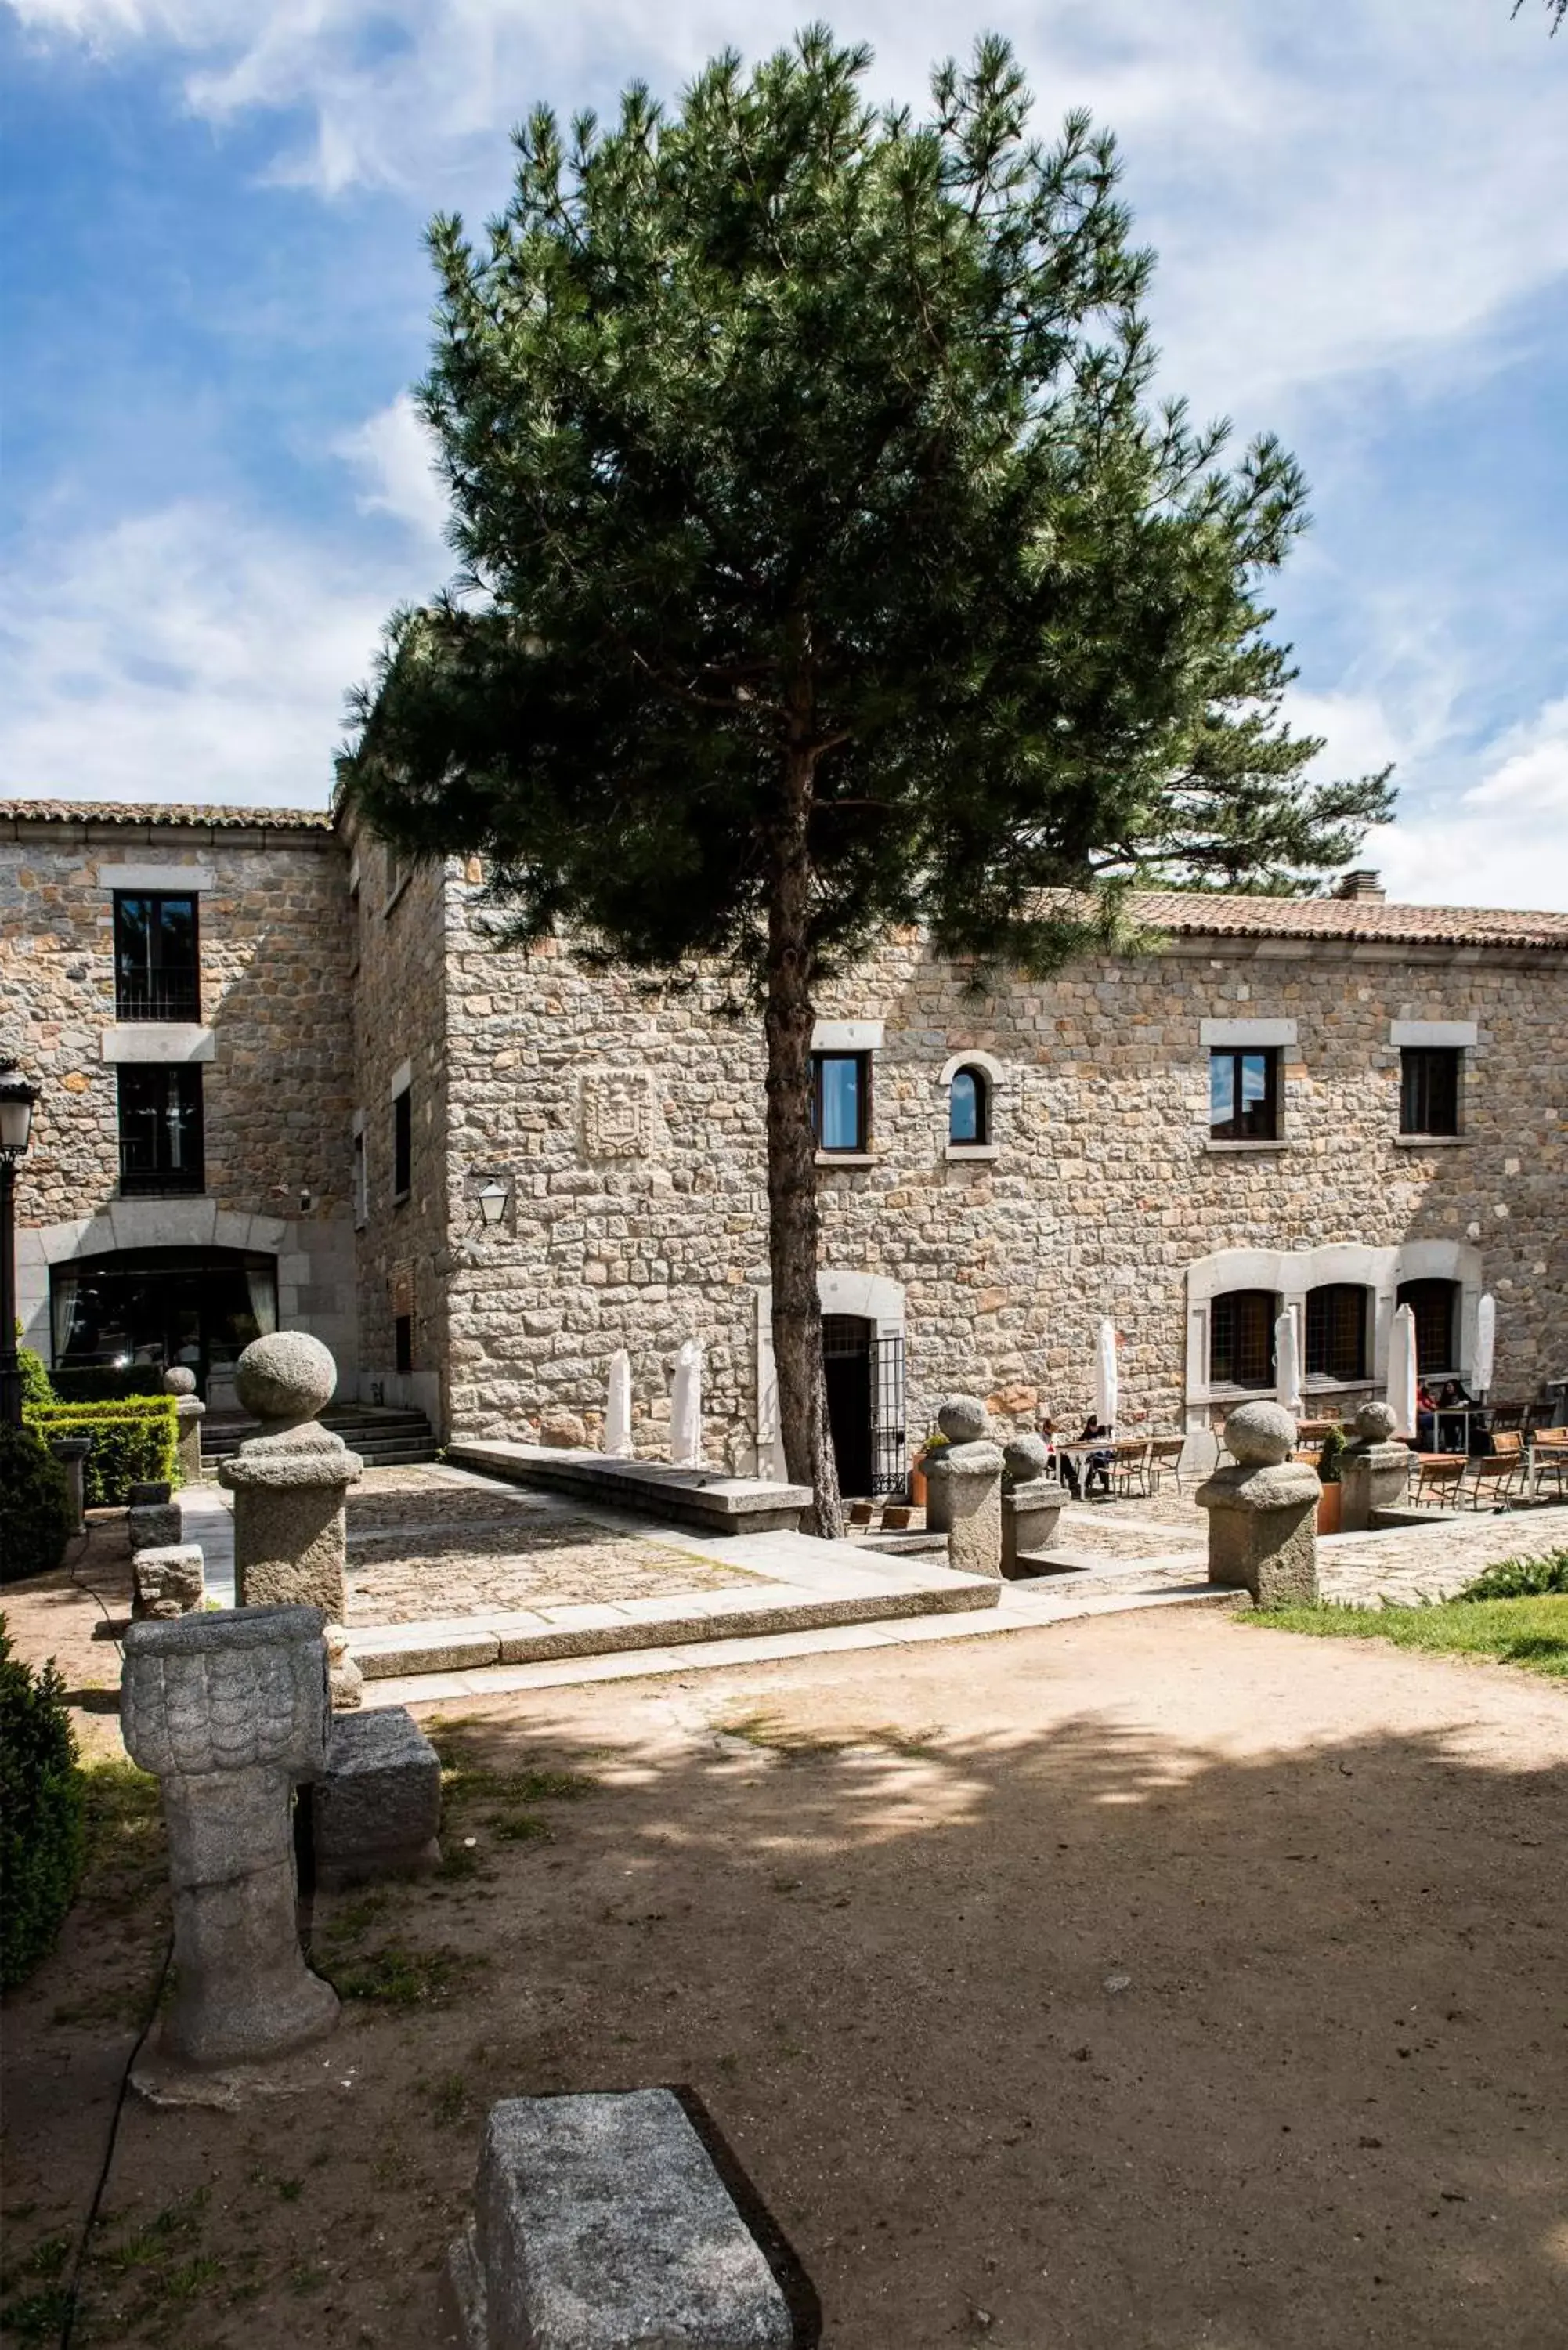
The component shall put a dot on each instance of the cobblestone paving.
(422, 1545)
(1433, 1563)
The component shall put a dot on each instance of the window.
(402, 1145)
(841, 1100)
(1242, 1339)
(1429, 1089)
(161, 1127)
(1436, 1306)
(1244, 1094)
(403, 1342)
(156, 971)
(1336, 1332)
(361, 1183)
(968, 1106)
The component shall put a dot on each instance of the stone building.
(1331, 1105)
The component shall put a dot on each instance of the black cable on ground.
(68, 2323)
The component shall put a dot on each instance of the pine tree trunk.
(792, 1225)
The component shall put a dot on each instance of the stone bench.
(709, 1500)
(602, 2223)
(375, 1810)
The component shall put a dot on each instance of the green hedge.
(35, 1515)
(36, 1388)
(104, 1383)
(43, 1838)
(133, 1443)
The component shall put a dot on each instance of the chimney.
(1363, 883)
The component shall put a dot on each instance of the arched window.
(1241, 1338)
(968, 1106)
(1436, 1306)
(1337, 1331)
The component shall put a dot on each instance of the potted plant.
(935, 1442)
(1328, 1500)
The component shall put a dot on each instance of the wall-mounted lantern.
(493, 1198)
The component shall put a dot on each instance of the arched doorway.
(158, 1307)
(847, 1342)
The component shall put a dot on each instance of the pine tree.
(824, 565)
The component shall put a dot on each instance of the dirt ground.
(1151, 1984)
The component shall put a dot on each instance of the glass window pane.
(1254, 1078)
(963, 1114)
(840, 1102)
(1221, 1088)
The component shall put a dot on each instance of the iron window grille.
(1244, 1094)
(157, 960)
(841, 1101)
(1336, 1332)
(1429, 1089)
(160, 1142)
(1436, 1306)
(1242, 1339)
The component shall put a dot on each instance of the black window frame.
(402, 1145)
(982, 1135)
(1335, 1346)
(1431, 1084)
(1422, 1297)
(166, 991)
(862, 1143)
(157, 1177)
(1227, 1313)
(1243, 1125)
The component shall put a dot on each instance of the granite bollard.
(71, 1453)
(376, 1809)
(289, 1482)
(962, 1419)
(601, 2222)
(153, 1525)
(1373, 1469)
(189, 1413)
(229, 1709)
(968, 1479)
(1262, 1514)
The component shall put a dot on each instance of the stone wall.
(397, 918)
(275, 980)
(630, 1122)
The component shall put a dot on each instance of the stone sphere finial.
(285, 1376)
(1261, 1435)
(1025, 1459)
(178, 1381)
(1374, 1422)
(963, 1419)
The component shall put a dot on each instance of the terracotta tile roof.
(1194, 914)
(167, 814)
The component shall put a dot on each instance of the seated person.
(1099, 1463)
(1063, 1464)
(1452, 1397)
(1426, 1418)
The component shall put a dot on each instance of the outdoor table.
(1445, 1418)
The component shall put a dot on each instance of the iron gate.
(889, 1459)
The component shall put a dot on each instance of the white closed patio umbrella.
(1288, 1364)
(617, 1410)
(686, 1407)
(1486, 1345)
(1107, 1395)
(1402, 1372)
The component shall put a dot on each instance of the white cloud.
(189, 653)
(394, 456)
(1530, 777)
(1502, 842)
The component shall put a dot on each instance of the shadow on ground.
(1104, 2031)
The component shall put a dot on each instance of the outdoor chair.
(1438, 1475)
(1549, 1458)
(1130, 1469)
(1495, 1474)
(1165, 1453)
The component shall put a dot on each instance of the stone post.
(71, 1453)
(1032, 1502)
(1262, 1514)
(1374, 1471)
(229, 1709)
(190, 1411)
(289, 1482)
(964, 1489)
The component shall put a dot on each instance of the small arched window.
(1241, 1338)
(968, 1106)
(1337, 1331)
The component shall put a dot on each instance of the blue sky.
(215, 297)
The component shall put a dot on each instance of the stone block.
(154, 1525)
(601, 2222)
(167, 1582)
(376, 1810)
(1030, 1516)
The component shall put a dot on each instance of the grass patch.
(772, 1733)
(396, 1976)
(1528, 1632)
(463, 1782)
(1522, 1578)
